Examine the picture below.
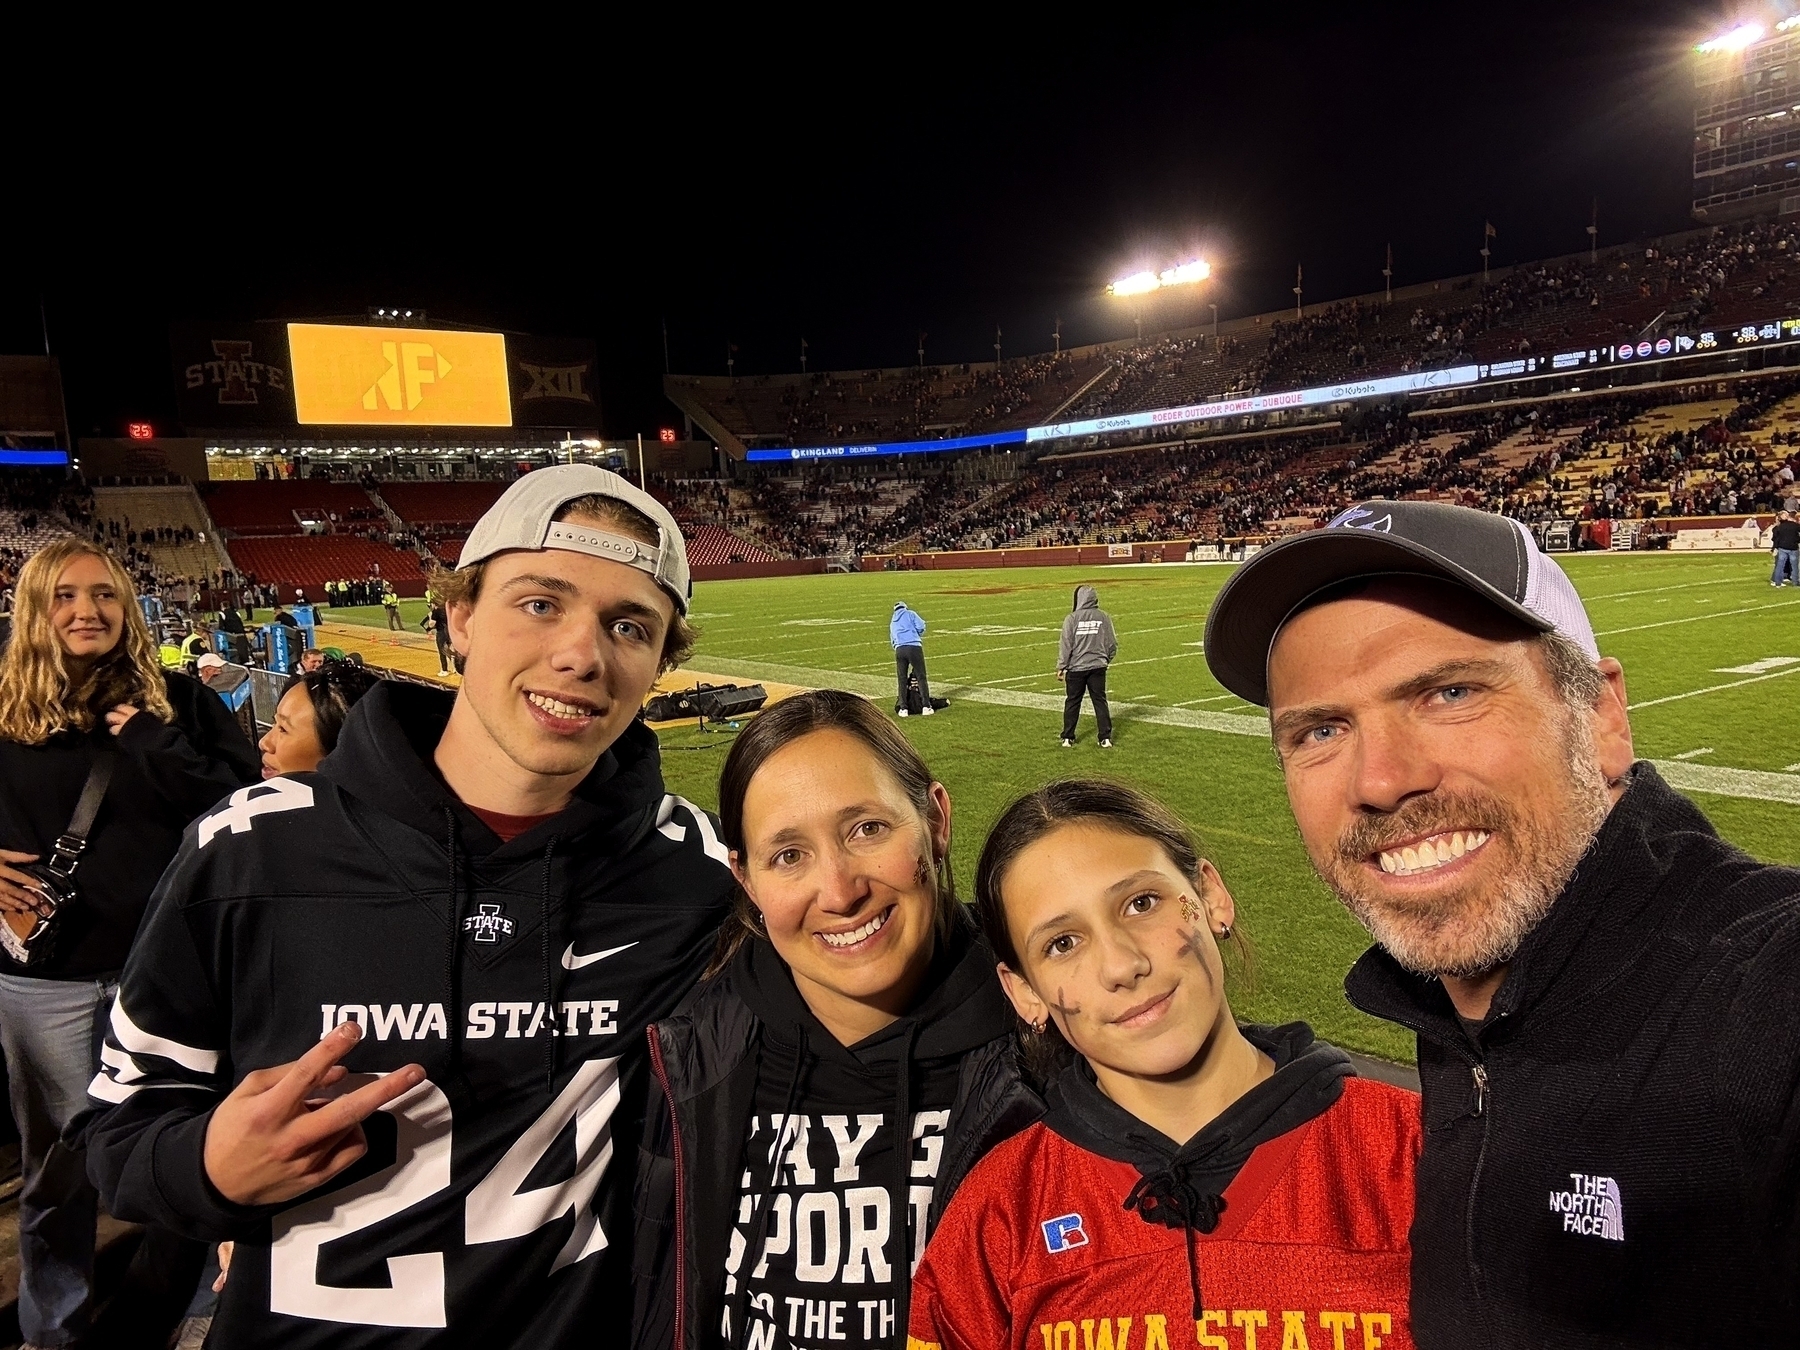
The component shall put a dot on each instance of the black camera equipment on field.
(708, 702)
(30, 938)
(915, 698)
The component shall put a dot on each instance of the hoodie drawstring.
(452, 948)
(549, 947)
(758, 1223)
(1170, 1199)
(902, 1201)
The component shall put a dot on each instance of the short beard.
(1469, 932)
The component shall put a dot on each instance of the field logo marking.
(1758, 667)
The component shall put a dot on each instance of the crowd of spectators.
(1519, 461)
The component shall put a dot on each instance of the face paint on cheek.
(1192, 945)
(1063, 1007)
(1190, 909)
(923, 875)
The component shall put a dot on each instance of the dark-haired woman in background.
(313, 708)
(827, 1090)
(1193, 1171)
(79, 680)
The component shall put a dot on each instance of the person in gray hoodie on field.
(1088, 647)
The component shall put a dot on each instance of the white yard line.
(1658, 590)
(1752, 783)
(880, 689)
(1713, 689)
(1696, 618)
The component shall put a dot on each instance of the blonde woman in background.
(79, 679)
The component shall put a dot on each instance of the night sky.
(851, 186)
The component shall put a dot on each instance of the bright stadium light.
(1138, 283)
(1142, 283)
(1734, 41)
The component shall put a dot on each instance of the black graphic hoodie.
(816, 1243)
(494, 1206)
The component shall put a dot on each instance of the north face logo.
(1591, 1206)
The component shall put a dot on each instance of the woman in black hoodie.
(778, 1208)
(80, 684)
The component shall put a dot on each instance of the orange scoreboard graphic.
(345, 375)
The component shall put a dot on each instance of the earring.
(1224, 932)
(1040, 1026)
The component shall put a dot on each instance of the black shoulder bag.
(29, 938)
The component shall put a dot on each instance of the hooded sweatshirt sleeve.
(163, 1067)
(196, 759)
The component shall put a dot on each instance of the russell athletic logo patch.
(1591, 1206)
(1064, 1233)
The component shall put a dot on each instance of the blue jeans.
(47, 1028)
(1787, 566)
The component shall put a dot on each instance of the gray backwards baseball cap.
(1493, 556)
(524, 518)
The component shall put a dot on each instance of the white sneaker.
(904, 713)
(1068, 744)
(1106, 745)
(927, 710)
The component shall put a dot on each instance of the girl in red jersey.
(1196, 1182)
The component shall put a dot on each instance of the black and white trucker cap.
(525, 518)
(1493, 556)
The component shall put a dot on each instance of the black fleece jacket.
(494, 1206)
(167, 773)
(709, 1056)
(1614, 1158)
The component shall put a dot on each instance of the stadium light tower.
(1139, 284)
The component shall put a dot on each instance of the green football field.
(1711, 654)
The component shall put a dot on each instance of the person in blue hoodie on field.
(1087, 649)
(906, 630)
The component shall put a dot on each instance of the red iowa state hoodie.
(1281, 1226)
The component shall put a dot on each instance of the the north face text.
(1591, 1206)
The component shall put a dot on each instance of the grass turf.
(1676, 622)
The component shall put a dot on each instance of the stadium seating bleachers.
(168, 523)
(441, 503)
(311, 561)
(278, 506)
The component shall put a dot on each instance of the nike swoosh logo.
(574, 962)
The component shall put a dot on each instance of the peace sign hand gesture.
(275, 1137)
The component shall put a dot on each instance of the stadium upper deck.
(1719, 278)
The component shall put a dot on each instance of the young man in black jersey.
(407, 1075)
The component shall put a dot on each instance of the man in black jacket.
(498, 897)
(1603, 990)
